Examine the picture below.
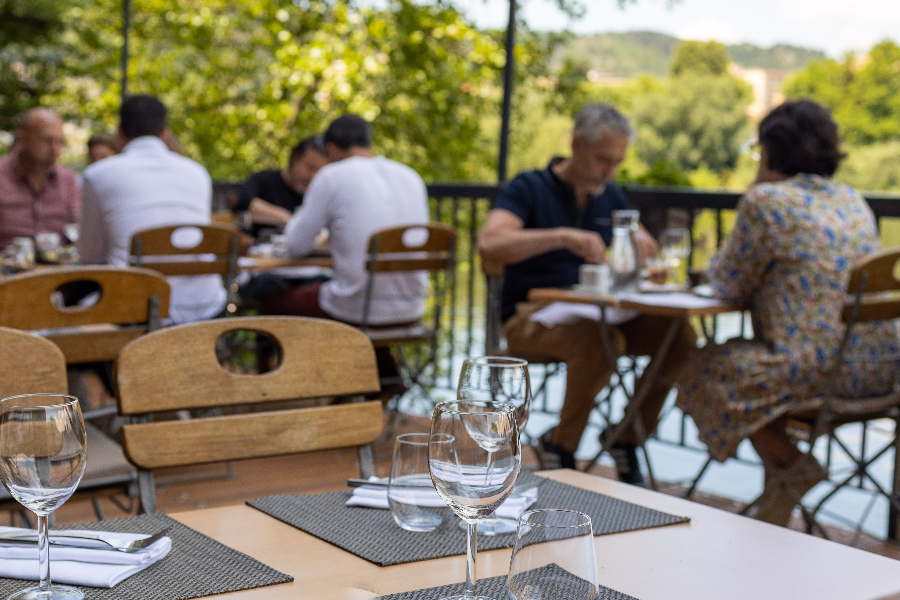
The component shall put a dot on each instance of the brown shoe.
(801, 476)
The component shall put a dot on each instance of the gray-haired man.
(543, 227)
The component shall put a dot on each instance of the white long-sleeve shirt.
(352, 199)
(147, 186)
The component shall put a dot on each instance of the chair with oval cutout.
(190, 249)
(319, 358)
(30, 364)
(428, 248)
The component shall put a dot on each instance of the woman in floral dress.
(788, 259)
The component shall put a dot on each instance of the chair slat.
(254, 435)
(391, 240)
(217, 239)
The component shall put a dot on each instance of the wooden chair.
(873, 295)
(214, 252)
(131, 302)
(319, 358)
(427, 248)
(30, 364)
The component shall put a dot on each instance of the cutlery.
(517, 489)
(72, 538)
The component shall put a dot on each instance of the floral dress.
(788, 260)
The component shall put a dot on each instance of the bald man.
(36, 194)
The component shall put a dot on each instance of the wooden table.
(649, 304)
(718, 556)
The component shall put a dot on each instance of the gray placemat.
(495, 587)
(371, 533)
(196, 567)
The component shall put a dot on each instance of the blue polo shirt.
(542, 200)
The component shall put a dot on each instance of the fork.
(68, 538)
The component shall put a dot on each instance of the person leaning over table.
(271, 197)
(543, 227)
(788, 258)
(354, 196)
(144, 186)
(36, 193)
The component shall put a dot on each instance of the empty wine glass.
(676, 246)
(476, 473)
(553, 557)
(496, 379)
(43, 447)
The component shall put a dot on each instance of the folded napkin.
(376, 497)
(94, 567)
(566, 313)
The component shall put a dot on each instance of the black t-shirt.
(268, 186)
(543, 201)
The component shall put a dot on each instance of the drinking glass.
(410, 490)
(676, 246)
(476, 473)
(497, 379)
(553, 557)
(43, 448)
(71, 231)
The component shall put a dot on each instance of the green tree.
(693, 120)
(700, 58)
(28, 57)
(863, 93)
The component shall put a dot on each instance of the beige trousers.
(588, 369)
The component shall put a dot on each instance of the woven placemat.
(371, 533)
(495, 587)
(197, 566)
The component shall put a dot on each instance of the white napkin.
(676, 299)
(376, 497)
(94, 567)
(566, 313)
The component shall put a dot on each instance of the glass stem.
(471, 549)
(43, 530)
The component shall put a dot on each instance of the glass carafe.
(624, 262)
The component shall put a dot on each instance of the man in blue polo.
(543, 227)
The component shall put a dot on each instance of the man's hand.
(584, 244)
(646, 245)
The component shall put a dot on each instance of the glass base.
(464, 597)
(55, 592)
(492, 526)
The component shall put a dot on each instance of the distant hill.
(635, 52)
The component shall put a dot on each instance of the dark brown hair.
(801, 137)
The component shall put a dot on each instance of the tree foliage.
(863, 93)
(700, 58)
(693, 120)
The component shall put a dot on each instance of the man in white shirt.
(354, 196)
(146, 186)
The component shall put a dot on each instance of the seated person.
(354, 196)
(543, 227)
(788, 258)
(271, 197)
(100, 146)
(36, 193)
(147, 185)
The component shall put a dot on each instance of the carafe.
(624, 262)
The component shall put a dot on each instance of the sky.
(833, 26)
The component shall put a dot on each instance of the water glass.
(414, 503)
(553, 557)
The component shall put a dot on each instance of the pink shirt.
(24, 213)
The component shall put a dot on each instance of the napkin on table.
(566, 313)
(94, 567)
(376, 497)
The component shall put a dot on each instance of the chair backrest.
(131, 302)
(869, 292)
(30, 364)
(408, 248)
(319, 358)
(219, 242)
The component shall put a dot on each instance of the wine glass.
(553, 557)
(497, 379)
(475, 474)
(71, 231)
(43, 447)
(676, 246)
